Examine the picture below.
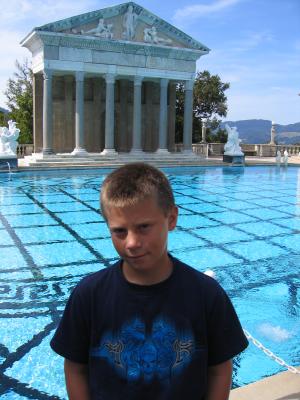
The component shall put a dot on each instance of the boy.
(149, 327)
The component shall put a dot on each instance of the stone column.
(163, 117)
(69, 115)
(273, 133)
(124, 115)
(203, 140)
(188, 117)
(137, 115)
(79, 116)
(38, 83)
(97, 112)
(47, 113)
(109, 115)
(172, 116)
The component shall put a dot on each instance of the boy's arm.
(219, 381)
(76, 376)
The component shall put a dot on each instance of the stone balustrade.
(206, 149)
(259, 150)
(24, 150)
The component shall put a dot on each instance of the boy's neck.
(149, 277)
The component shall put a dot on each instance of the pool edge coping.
(282, 386)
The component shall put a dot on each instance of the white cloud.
(11, 51)
(250, 41)
(41, 12)
(198, 10)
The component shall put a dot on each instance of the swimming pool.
(243, 223)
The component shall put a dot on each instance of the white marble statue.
(129, 23)
(232, 147)
(150, 36)
(8, 139)
(102, 30)
(278, 157)
(285, 157)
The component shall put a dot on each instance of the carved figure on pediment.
(129, 23)
(150, 36)
(102, 30)
(8, 138)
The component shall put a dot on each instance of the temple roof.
(112, 19)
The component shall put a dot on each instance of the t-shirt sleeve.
(72, 337)
(226, 338)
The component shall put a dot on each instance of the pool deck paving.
(283, 386)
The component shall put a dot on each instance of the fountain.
(285, 157)
(278, 157)
(8, 145)
(233, 152)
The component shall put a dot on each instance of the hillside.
(259, 131)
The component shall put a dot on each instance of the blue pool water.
(243, 223)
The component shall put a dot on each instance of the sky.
(255, 45)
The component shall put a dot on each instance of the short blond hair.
(132, 183)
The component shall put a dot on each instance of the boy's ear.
(173, 215)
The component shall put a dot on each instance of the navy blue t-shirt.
(149, 342)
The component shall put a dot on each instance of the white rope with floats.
(258, 344)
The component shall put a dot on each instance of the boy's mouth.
(136, 257)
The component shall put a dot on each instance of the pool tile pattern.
(244, 223)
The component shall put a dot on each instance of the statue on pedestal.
(8, 139)
(232, 147)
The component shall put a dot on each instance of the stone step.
(64, 164)
(96, 160)
(90, 164)
(111, 159)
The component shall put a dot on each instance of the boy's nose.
(133, 241)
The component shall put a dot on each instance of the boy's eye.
(144, 227)
(118, 231)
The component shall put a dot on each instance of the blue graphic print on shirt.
(137, 355)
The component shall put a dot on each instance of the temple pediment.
(127, 22)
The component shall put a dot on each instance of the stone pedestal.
(236, 160)
(8, 162)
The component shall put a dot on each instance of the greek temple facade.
(105, 83)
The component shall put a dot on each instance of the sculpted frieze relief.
(129, 26)
(151, 36)
(102, 30)
(126, 22)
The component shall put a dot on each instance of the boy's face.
(139, 234)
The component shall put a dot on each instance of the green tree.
(210, 103)
(20, 100)
(3, 118)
